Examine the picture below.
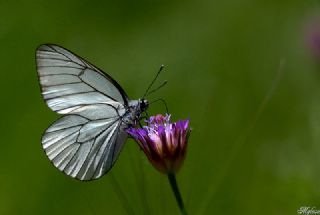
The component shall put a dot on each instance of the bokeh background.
(242, 71)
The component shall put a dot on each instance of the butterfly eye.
(146, 103)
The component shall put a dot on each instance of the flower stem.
(175, 189)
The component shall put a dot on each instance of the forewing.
(84, 149)
(68, 82)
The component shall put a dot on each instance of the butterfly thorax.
(134, 110)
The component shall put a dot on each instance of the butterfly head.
(143, 104)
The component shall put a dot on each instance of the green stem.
(175, 189)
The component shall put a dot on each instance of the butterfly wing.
(84, 143)
(68, 81)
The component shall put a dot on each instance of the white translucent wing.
(86, 142)
(81, 148)
(69, 82)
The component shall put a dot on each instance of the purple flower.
(313, 36)
(163, 142)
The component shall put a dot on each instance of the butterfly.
(86, 141)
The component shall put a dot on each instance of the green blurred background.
(249, 153)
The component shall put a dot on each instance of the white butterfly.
(86, 141)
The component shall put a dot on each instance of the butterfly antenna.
(163, 101)
(154, 79)
(156, 89)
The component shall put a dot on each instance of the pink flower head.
(163, 142)
(313, 36)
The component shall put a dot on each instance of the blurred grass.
(221, 58)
